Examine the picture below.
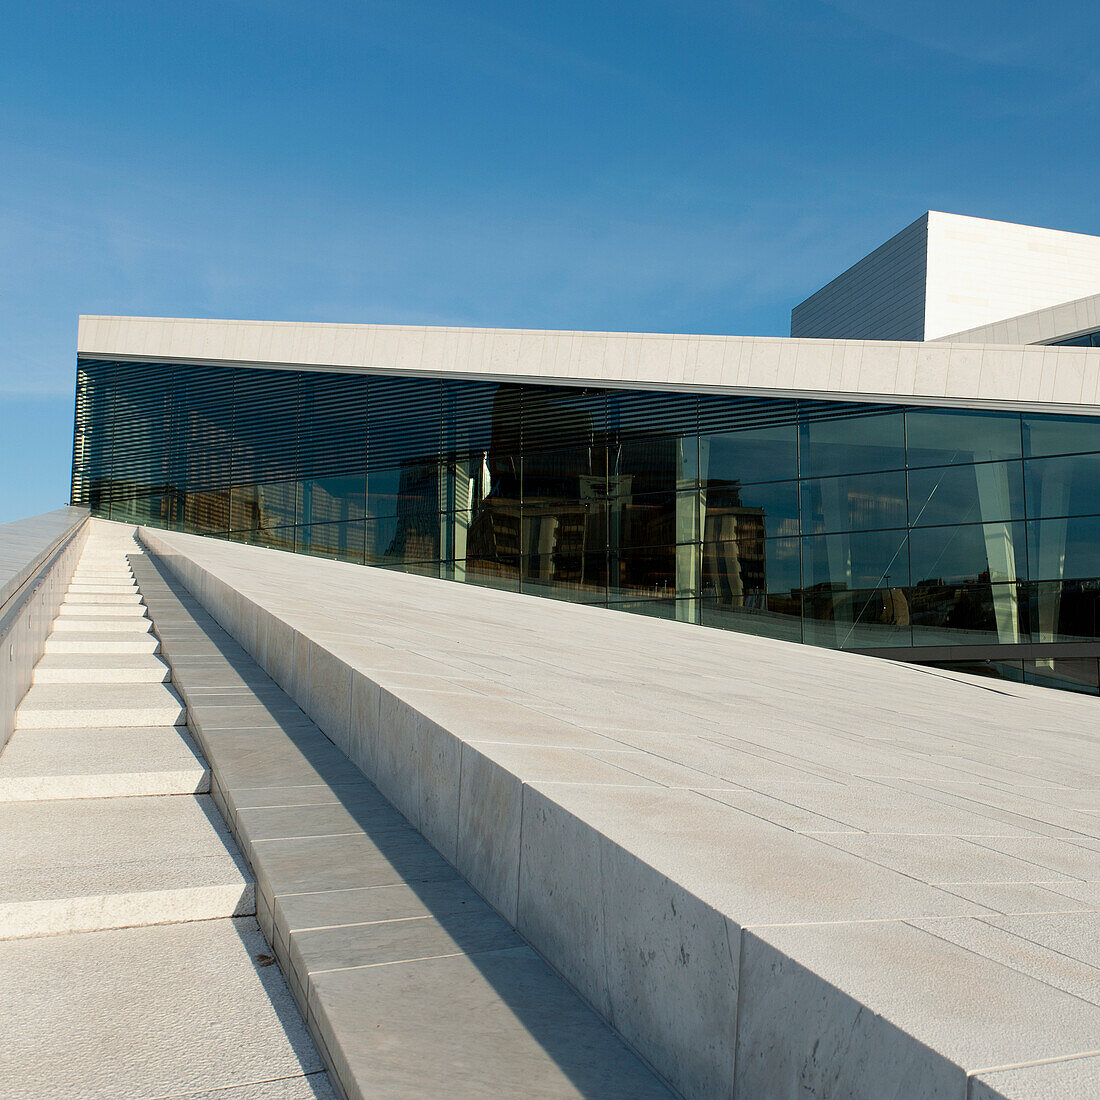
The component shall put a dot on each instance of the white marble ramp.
(130, 961)
(778, 870)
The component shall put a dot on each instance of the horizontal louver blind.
(151, 428)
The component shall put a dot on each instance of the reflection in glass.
(644, 573)
(1067, 486)
(652, 520)
(1060, 435)
(854, 589)
(206, 513)
(332, 499)
(577, 575)
(657, 464)
(1068, 673)
(995, 670)
(1064, 549)
(262, 507)
(412, 487)
(968, 614)
(857, 502)
(342, 541)
(274, 538)
(1065, 611)
(753, 454)
(979, 553)
(676, 505)
(852, 444)
(938, 437)
(965, 494)
(756, 582)
(733, 511)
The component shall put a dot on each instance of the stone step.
(182, 1010)
(102, 590)
(73, 706)
(100, 626)
(101, 611)
(104, 644)
(101, 763)
(122, 571)
(129, 598)
(107, 668)
(79, 865)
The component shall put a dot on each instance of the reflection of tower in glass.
(416, 536)
(488, 481)
(734, 562)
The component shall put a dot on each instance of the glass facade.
(847, 525)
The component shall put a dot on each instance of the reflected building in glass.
(937, 501)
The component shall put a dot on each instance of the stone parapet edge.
(190, 644)
(27, 617)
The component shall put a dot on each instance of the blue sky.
(688, 166)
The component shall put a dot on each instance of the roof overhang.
(877, 371)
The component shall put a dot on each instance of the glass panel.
(995, 670)
(659, 464)
(402, 539)
(968, 614)
(936, 437)
(206, 512)
(755, 454)
(499, 572)
(764, 510)
(654, 520)
(1060, 435)
(977, 554)
(421, 568)
(332, 499)
(1064, 549)
(411, 487)
(566, 526)
(865, 559)
(343, 541)
(965, 494)
(570, 473)
(1067, 673)
(858, 502)
(648, 573)
(275, 538)
(581, 577)
(753, 585)
(260, 507)
(683, 610)
(150, 510)
(853, 589)
(859, 618)
(852, 444)
(1063, 486)
(1065, 611)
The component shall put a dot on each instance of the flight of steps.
(112, 848)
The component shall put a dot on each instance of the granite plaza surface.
(770, 868)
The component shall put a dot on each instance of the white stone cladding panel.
(1040, 326)
(879, 298)
(980, 271)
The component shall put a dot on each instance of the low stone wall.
(742, 944)
(37, 559)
